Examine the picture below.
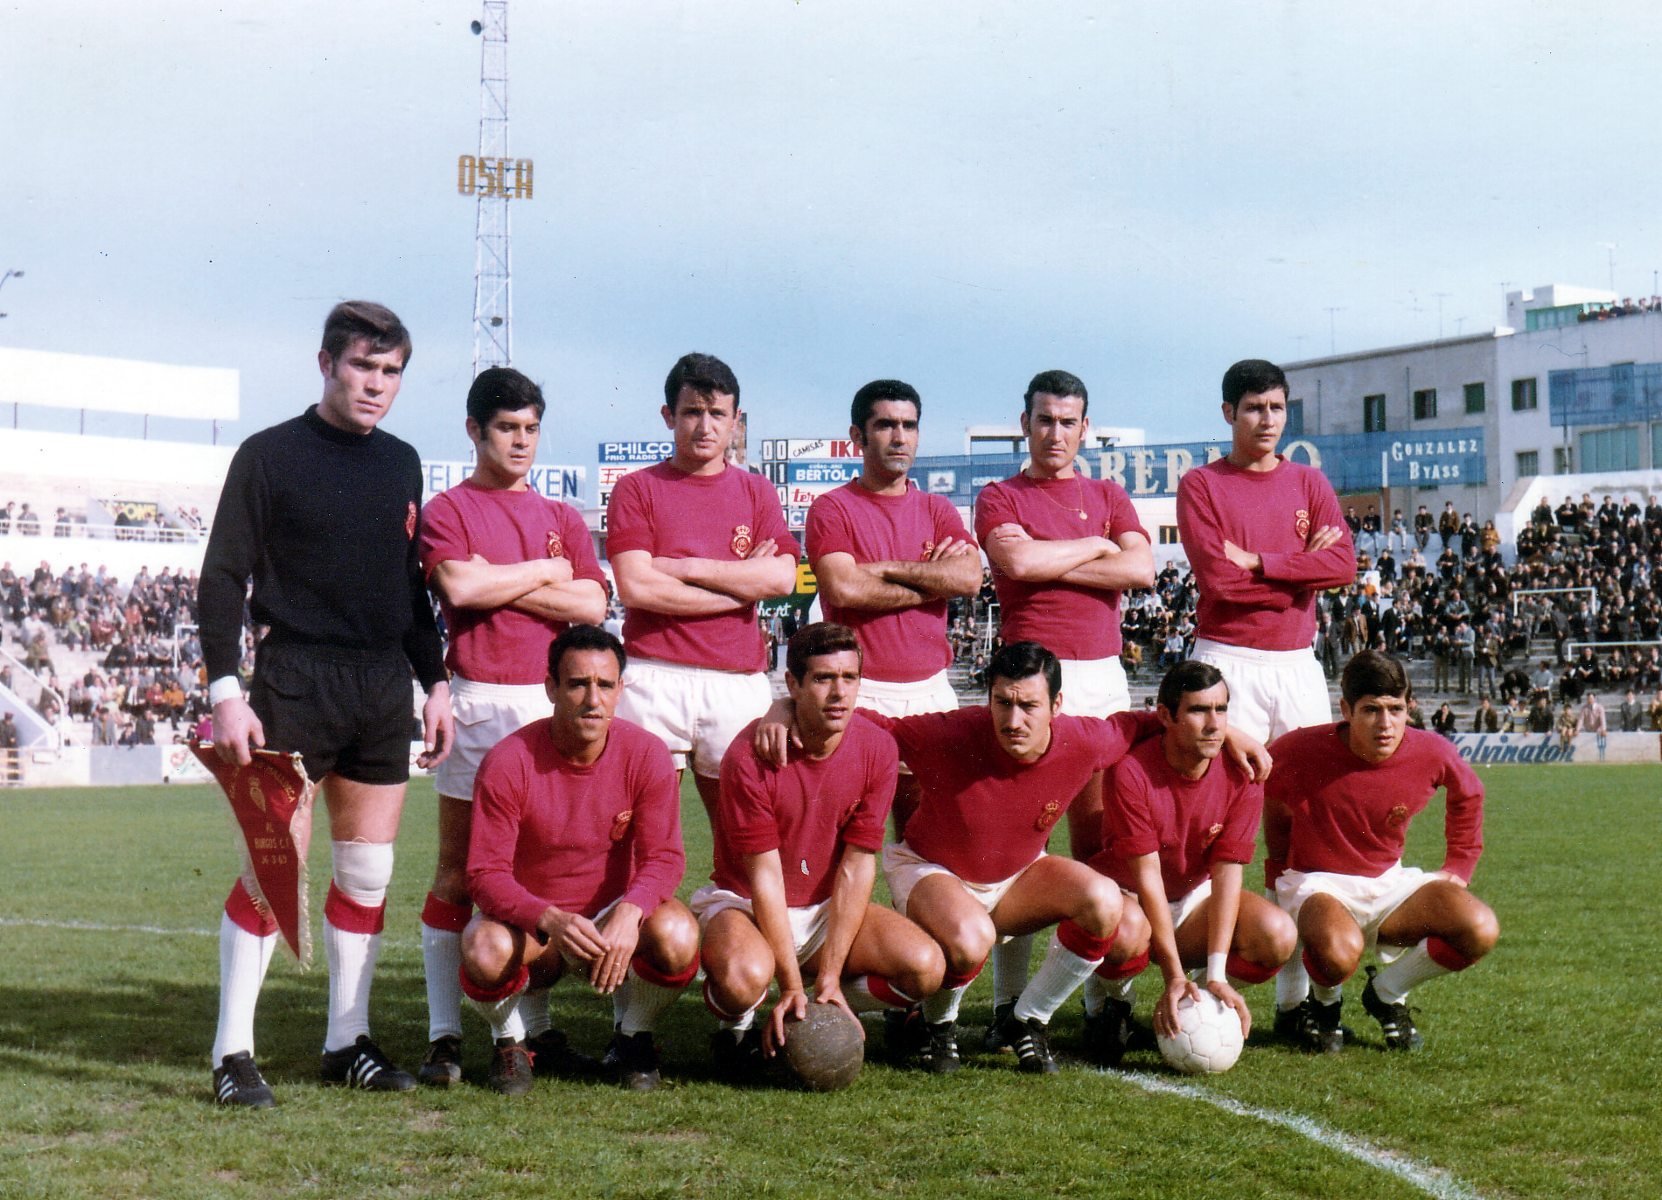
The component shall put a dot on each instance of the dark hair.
(375, 323)
(1372, 673)
(501, 389)
(1190, 675)
(811, 641)
(703, 373)
(874, 393)
(584, 637)
(1023, 660)
(1251, 376)
(1056, 383)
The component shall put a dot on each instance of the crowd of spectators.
(1628, 307)
(186, 523)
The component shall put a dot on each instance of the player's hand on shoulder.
(237, 731)
(792, 1006)
(776, 733)
(1228, 995)
(1251, 755)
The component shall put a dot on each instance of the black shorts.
(345, 712)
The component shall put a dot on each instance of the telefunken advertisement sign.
(555, 482)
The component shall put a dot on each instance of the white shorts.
(809, 923)
(930, 695)
(1094, 687)
(1271, 692)
(696, 711)
(1369, 900)
(904, 870)
(485, 714)
(1184, 908)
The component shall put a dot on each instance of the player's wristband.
(1217, 968)
(226, 687)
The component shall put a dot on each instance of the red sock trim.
(1248, 971)
(881, 989)
(246, 915)
(445, 916)
(1445, 955)
(1076, 939)
(958, 979)
(485, 995)
(657, 978)
(348, 916)
(1129, 969)
(1318, 976)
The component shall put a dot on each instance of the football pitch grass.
(1539, 1076)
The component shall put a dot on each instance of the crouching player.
(1177, 829)
(795, 860)
(1336, 817)
(573, 860)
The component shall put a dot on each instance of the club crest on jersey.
(556, 546)
(620, 824)
(1397, 816)
(1212, 835)
(1301, 523)
(410, 521)
(1048, 815)
(742, 541)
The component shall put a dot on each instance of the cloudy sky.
(822, 192)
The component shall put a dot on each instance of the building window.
(1168, 536)
(1529, 463)
(1373, 414)
(1610, 449)
(1295, 419)
(1425, 404)
(1656, 445)
(1476, 401)
(1563, 462)
(1524, 398)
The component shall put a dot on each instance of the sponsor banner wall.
(809, 448)
(555, 482)
(1496, 749)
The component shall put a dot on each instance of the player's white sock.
(645, 993)
(1098, 991)
(353, 916)
(874, 993)
(943, 1005)
(441, 958)
(1069, 960)
(1433, 957)
(1327, 995)
(533, 1011)
(1292, 982)
(243, 959)
(499, 1006)
(1011, 963)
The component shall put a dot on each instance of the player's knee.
(670, 936)
(737, 982)
(1099, 908)
(487, 952)
(1132, 936)
(1268, 942)
(967, 945)
(363, 869)
(1482, 931)
(920, 970)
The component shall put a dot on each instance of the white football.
(1208, 1038)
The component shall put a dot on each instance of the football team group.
(558, 755)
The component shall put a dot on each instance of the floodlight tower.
(486, 177)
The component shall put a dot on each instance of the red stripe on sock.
(1129, 969)
(654, 976)
(1076, 939)
(1446, 956)
(348, 916)
(958, 979)
(1248, 971)
(443, 915)
(881, 989)
(246, 915)
(1318, 976)
(485, 995)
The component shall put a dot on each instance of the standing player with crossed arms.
(1264, 535)
(511, 569)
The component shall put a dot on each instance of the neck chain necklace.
(1079, 491)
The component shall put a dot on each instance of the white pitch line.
(1433, 1181)
(96, 927)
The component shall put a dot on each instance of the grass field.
(1539, 1078)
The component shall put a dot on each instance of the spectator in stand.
(1631, 712)
(1424, 523)
(1487, 718)
(1540, 714)
(1593, 721)
(1448, 524)
(1398, 537)
(1568, 726)
(1568, 516)
(1517, 716)
(28, 524)
(6, 521)
(1541, 682)
(1443, 720)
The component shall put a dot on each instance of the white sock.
(243, 959)
(1059, 976)
(362, 871)
(943, 1005)
(1326, 995)
(441, 960)
(1292, 982)
(1011, 961)
(502, 1016)
(1393, 983)
(1098, 991)
(637, 1004)
(533, 1011)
